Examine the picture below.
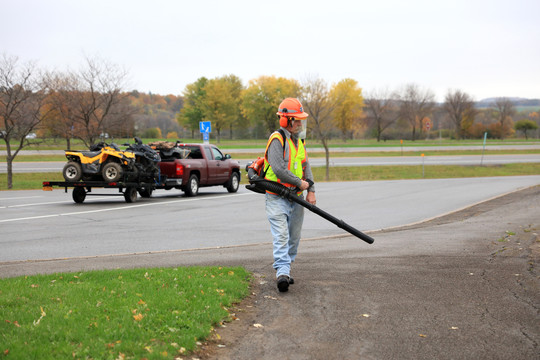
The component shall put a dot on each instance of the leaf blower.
(260, 185)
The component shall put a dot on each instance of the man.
(287, 163)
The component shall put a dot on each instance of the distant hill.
(517, 101)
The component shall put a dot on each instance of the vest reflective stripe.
(296, 161)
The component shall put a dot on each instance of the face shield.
(303, 130)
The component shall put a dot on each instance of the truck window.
(208, 153)
(194, 152)
(217, 154)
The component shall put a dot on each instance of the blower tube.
(259, 185)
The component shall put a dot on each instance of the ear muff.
(283, 121)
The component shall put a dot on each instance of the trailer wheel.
(130, 194)
(72, 171)
(234, 183)
(192, 187)
(112, 172)
(145, 192)
(78, 195)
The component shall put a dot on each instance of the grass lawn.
(398, 172)
(29, 181)
(116, 314)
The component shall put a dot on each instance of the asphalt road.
(464, 285)
(49, 225)
(57, 166)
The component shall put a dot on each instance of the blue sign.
(205, 126)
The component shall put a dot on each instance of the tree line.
(92, 102)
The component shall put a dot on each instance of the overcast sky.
(485, 48)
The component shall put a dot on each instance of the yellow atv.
(102, 161)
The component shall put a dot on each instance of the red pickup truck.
(190, 166)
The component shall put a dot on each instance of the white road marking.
(128, 207)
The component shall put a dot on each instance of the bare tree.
(504, 110)
(382, 109)
(90, 102)
(315, 99)
(22, 94)
(460, 107)
(416, 104)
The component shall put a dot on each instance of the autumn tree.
(346, 96)
(221, 105)
(504, 110)
(415, 105)
(192, 113)
(315, 97)
(91, 99)
(460, 108)
(22, 95)
(262, 97)
(381, 110)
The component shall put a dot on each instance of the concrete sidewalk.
(465, 286)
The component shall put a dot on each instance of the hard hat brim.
(302, 115)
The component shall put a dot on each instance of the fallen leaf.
(422, 335)
(454, 328)
(138, 317)
(258, 325)
(221, 346)
(366, 315)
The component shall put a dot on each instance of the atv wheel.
(72, 171)
(112, 172)
(234, 183)
(130, 195)
(192, 187)
(78, 195)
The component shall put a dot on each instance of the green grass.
(365, 173)
(142, 313)
(51, 144)
(29, 181)
(352, 173)
(319, 154)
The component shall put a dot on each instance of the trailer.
(81, 189)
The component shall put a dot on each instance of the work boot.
(291, 280)
(283, 283)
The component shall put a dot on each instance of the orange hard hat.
(291, 107)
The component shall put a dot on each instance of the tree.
(91, 100)
(262, 97)
(236, 87)
(220, 105)
(316, 101)
(460, 107)
(22, 96)
(415, 105)
(503, 111)
(525, 125)
(348, 102)
(382, 111)
(192, 113)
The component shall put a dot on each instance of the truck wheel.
(192, 187)
(130, 194)
(145, 192)
(234, 183)
(112, 172)
(72, 171)
(78, 195)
